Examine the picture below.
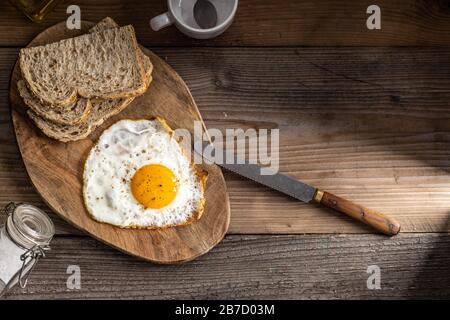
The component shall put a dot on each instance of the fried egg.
(137, 176)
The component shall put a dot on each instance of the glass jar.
(24, 238)
(36, 10)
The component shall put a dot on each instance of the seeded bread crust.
(86, 66)
(64, 133)
(70, 115)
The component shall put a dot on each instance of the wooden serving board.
(55, 168)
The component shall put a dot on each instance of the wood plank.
(265, 23)
(269, 267)
(370, 124)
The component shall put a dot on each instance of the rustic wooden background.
(362, 113)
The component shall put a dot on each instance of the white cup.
(181, 14)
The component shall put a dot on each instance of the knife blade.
(297, 189)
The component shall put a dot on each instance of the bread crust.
(54, 114)
(77, 132)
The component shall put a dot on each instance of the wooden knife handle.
(370, 217)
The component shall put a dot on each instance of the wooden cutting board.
(55, 168)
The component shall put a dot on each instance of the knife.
(300, 190)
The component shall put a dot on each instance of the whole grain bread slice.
(70, 115)
(104, 64)
(79, 111)
(108, 23)
(102, 111)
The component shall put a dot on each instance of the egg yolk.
(154, 186)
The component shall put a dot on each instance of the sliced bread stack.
(72, 86)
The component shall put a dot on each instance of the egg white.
(121, 150)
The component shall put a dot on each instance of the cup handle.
(161, 21)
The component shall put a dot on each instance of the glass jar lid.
(29, 226)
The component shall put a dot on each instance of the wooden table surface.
(363, 113)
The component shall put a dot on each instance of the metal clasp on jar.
(32, 255)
